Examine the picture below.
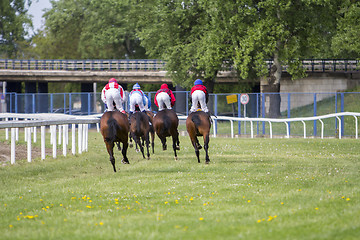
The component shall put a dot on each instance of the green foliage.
(346, 43)
(197, 37)
(14, 24)
(88, 29)
(252, 189)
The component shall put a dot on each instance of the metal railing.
(291, 105)
(310, 65)
(59, 122)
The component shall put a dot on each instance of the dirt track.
(20, 153)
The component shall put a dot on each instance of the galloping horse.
(152, 133)
(114, 127)
(166, 124)
(139, 130)
(198, 124)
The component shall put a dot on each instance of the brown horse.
(198, 124)
(114, 127)
(139, 130)
(152, 133)
(166, 124)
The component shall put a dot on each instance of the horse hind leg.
(110, 147)
(118, 146)
(147, 142)
(138, 142)
(177, 141)
(152, 141)
(163, 142)
(206, 148)
(124, 151)
(195, 145)
(176, 144)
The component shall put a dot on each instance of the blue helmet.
(198, 82)
(136, 86)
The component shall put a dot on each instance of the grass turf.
(252, 189)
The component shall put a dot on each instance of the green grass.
(252, 189)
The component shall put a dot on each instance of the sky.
(36, 10)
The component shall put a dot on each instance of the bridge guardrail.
(311, 65)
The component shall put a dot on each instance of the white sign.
(244, 98)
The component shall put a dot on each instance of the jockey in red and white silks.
(113, 93)
(137, 97)
(164, 98)
(199, 95)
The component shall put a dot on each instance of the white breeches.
(163, 100)
(136, 98)
(198, 96)
(113, 95)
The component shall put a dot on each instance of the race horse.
(198, 124)
(166, 124)
(114, 127)
(139, 131)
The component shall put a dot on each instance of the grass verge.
(252, 189)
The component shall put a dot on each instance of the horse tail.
(196, 120)
(166, 126)
(113, 128)
(139, 118)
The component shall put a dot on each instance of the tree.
(88, 29)
(13, 27)
(346, 42)
(183, 34)
(285, 31)
(196, 37)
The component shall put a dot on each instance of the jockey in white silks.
(113, 93)
(137, 97)
(199, 96)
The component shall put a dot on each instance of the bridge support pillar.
(181, 100)
(30, 87)
(43, 98)
(86, 97)
(13, 105)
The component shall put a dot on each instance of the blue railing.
(311, 65)
(291, 105)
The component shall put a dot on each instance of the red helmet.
(112, 80)
(164, 86)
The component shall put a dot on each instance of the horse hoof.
(125, 161)
(176, 158)
(177, 148)
(207, 162)
(148, 158)
(131, 145)
(137, 150)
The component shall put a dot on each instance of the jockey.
(199, 95)
(164, 98)
(137, 97)
(113, 93)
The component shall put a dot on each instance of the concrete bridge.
(324, 75)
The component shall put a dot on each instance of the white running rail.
(286, 121)
(57, 123)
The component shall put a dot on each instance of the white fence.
(59, 123)
(56, 122)
(286, 121)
